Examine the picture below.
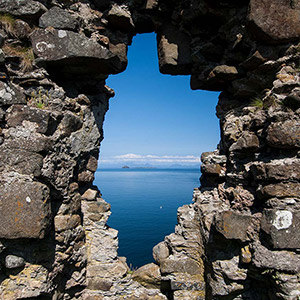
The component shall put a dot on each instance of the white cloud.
(151, 159)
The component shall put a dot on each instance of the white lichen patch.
(283, 219)
(62, 34)
(43, 46)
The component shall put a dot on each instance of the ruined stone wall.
(239, 239)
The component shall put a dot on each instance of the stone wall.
(239, 239)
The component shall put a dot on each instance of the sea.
(144, 205)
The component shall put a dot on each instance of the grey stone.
(24, 209)
(280, 190)
(233, 225)
(281, 228)
(282, 261)
(58, 18)
(10, 94)
(183, 295)
(66, 222)
(24, 8)
(284, 134)
(90, 195)
(21, 161)
(282, 169)
(160, 252)
(120, 18)
(12, 262)
(74, 53)
(268, 18)
(148, 275)
(248, 141)
(173, 51)
(174, 264)
(20, 113)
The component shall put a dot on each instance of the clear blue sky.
(154, 118)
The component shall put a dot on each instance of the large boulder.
(233, 225)
(74, 54)
(275, 20)
(148, 275)
(24, 209)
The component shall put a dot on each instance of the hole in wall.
(158, 127)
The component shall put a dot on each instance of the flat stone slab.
(74, 53)
(24, 209)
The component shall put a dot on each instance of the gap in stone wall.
(156, 121)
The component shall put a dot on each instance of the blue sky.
(156, 119)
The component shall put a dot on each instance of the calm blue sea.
(144, 206)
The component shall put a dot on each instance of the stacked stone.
(239, 239)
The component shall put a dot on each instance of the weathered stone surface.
(160, 252)
(58, 18)
(25, 8)
(183, 295)
(21, 161)
(184, 281)
(20, 113)
(276, 20)
(31, 282)
(233, 225)
(12, 262)
(120, 18)
(281, 190)
(25, 209)
(10, 94)
(248, 141)
(182, 265)
(90, 195)
(281, 227)
(74, 53)
(282, 169)
(148, 275)
(173, 51)
(293, 99)
(62, 223)
(284, 134)
(282, 261)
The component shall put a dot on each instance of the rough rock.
(233, 225)
(58, 18)
(120, 18)
(269, 16)
(173, 51)
(25, 209)
(284, 134)
(160, 252)
(282, 261)
(74, 53)
(148, 275)
(281, 228)
(12, 262)
(25, 8)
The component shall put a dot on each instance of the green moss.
(257, 102)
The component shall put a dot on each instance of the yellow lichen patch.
(30, 282)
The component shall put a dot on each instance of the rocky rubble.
(239, 238)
